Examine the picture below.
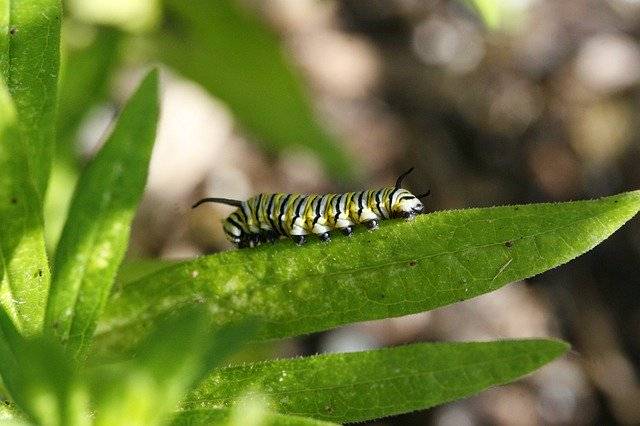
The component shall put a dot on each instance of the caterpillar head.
(403, 203)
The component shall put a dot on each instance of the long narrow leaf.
(29, 62)
(368, 385)
(233, 55)
(24, 269)
(402, 268)
(96, 233)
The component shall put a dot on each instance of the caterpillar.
(267, 217)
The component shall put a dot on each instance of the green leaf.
(41, 379)
(229, 52)
(24, 269)
(96, 233)
(85, 74)
(402, 268)
(224, 416)
(84, 79)
(29, 62)
(178, 354)
(361, 386)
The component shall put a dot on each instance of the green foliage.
(23, 262)
(226, 416)
(402, 268)
(361, 386)
(96, 234)
(84, 77)
(222, 47)
(40, 378)
(29, 61)
(174, 358)
(163, 357)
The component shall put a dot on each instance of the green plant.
(74, 352)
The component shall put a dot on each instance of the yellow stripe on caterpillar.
(267, 217)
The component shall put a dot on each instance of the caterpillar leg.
(299, 239)
(254, 240)
(324, 236)
(268, 236)
(371, 224)
(348, 230)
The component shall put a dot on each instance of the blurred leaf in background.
(178, 353)
(40, 378)
(91, 56)
(236, 58)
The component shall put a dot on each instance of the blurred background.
(493, 101)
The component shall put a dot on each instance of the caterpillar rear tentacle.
(267, 217)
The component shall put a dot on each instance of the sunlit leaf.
(96, 233)
(29, 62)
(361, 386)
(173, 359)
(402, 268)
(40, 378)
(224, 416)
(24, 270)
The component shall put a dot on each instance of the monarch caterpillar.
(267, 217)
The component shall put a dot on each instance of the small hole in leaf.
(413, 263)
(508, 244)
(13, 30)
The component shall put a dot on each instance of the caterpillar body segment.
(267, 217)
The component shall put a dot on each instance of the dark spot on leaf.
(14, 200)
(508, 244)
(413, 263)
(13, 30)
(382, 296)
(615, 201)
(38, 273)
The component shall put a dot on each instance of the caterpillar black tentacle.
(267, 217)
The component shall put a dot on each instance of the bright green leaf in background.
(85, 74)
(225, 49)
(24, 269)
(174, 358)
(96, 234)
(41, 379)
(29, 62)
(361, 386)
(234, 417)
(402, 268)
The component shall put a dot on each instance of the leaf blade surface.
(360, 386)
(96, 232)
(402, 268)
